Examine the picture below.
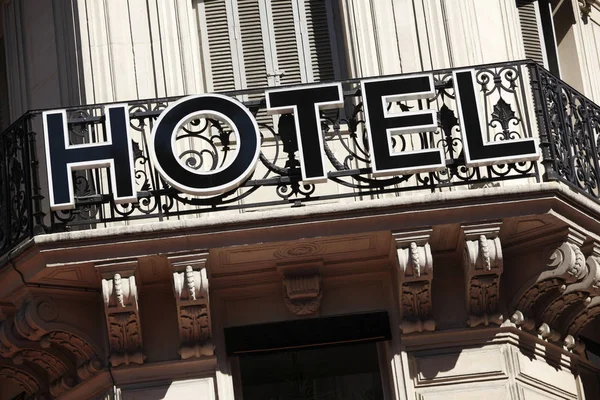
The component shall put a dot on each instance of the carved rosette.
(122, 315)
(302, 287)
(415, 273)
(190, 285)
(483, 265)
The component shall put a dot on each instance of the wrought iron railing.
(519, 99)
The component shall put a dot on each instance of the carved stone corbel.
(24, 377)
(38, 320)
(567, 266)
(483, 265)
(190, 285)
(577, 296)
(119, 290)
(415, 273)
(302, 287)
(588, 309)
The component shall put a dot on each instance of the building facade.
(385, 199)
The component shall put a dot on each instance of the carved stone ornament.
(577, 299)
(586, 306)
(415, 273)
(190, 285)
(302, 287)
(540, 297)
(122, 316)
(35, 335)
(483, 265)
(22, 377)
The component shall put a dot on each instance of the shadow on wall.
(43, 55)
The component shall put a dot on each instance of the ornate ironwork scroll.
(207, 143)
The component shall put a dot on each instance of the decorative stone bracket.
(119, 290)
(44, 348)
(190, 285)
(302, 285)
(576, 299)
(483, 266)
(415, 273)
(567, 266)
(587, 294)
(556, 302)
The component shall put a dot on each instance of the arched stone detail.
(60, 371)
(21, 376)
(38, 321)
(574, 301)
(567, 266)
(589, 314)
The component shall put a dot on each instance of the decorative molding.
(7, 346)
(483, 265)
(24, 379)
(575, 299)
(119, 290)
(38, 320)
(190, 284)
(415, 273)
(518, 320)
(567, 266)
(302, 287)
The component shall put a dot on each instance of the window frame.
(273, 70)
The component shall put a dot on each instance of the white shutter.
(531, 31)
(319, 57)
(287, 36)
(253, 47)
(259, 43)
(219, 41)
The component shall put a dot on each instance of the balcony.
(517, 100)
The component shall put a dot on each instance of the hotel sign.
(305, 103)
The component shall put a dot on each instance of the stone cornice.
(222, 230)
(447, 201)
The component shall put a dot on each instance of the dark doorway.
(348, 372)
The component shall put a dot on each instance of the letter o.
(209, 183)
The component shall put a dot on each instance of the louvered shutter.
(258, 43)
(286, 36)
(219, 45)
(530, 30)
(253, 47)
(319, 57)
(254, 58)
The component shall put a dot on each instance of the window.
(325, 358)
(258, 43)
(331, 373)
(538, 33)
(548, 33)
